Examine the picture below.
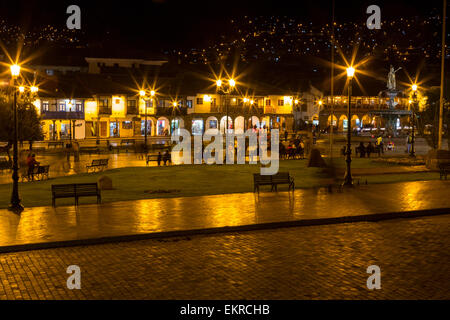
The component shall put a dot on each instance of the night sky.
(185, 23)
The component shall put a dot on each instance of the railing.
(104, 110)
(62, 115)
(132, 110)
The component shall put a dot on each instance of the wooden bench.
(282, 178)
(76, 191)
(273, 180)
(55, 144)
(444, 169)
(97, 165)
(152, 157)
(261, 180)
(39, 173)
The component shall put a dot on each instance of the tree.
(428, 119)
(29, 123)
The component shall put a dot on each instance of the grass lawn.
(187, 180)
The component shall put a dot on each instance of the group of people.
(166, 158)
(363, 150)
(293, 147)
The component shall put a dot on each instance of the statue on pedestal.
(391, 85)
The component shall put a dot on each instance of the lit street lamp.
(413, 120)
(225, 89)
(143, 94)
(348, 180)
(15, 200)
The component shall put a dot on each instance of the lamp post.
(142, 93)
(225, 90)
(413, 117)
(70, 123)
(348, 180)
(15, 200)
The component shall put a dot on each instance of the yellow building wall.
(90, 110)
(150, 110)
(118, 107)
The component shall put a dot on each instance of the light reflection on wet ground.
(41, 224)
(59, 166)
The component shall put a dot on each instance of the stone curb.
(249, 227)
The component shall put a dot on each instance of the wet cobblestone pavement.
(318, 262)
(47, 224)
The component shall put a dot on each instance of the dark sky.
(174, 23)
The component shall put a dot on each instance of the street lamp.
(225, 89)
(15, 200)
(348, 180)
(413, 118)
(142, 93)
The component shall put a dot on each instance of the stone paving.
(47, 224)
(317, 262)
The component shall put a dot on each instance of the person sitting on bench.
(31, 162)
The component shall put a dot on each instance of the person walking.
(408, 143)
(285, 135)
(379, 144)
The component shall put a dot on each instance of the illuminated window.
(62, 106)
(189, 103)
(79, 106)
(45, 106)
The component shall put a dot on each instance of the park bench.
(261, 180)
(152, 157)
(97, 165)
(55, 144)
(282, 178)
(444, 169)
(39, 173)
(76, 191)
(273, 180)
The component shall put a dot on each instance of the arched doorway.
(253, 122)
(176, 124)
(366, 121)
(239, 125)
(343, 123)
(223, 123)
(197, 126)
(334, 121)
(212, 125)
(151, 128)
(162, 126)
(355, 121)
